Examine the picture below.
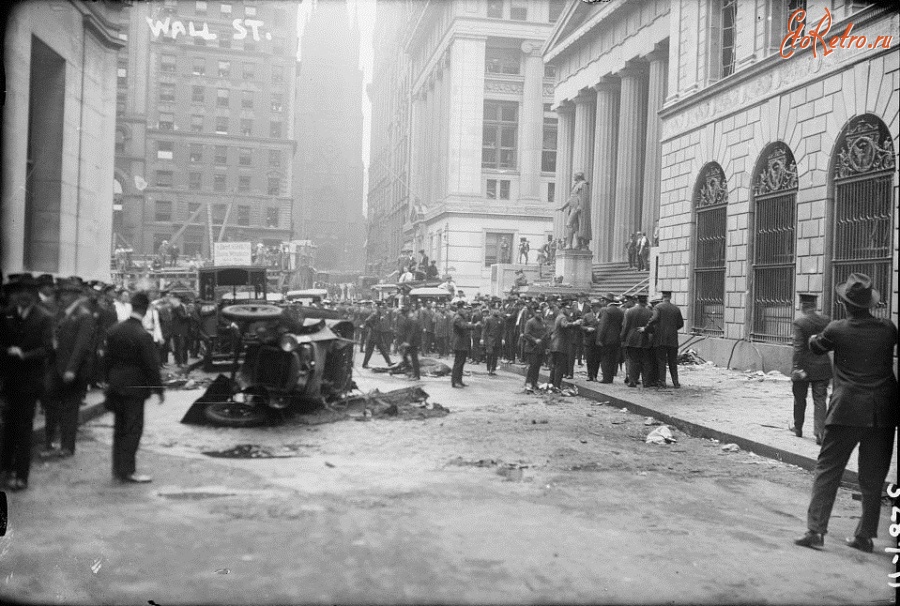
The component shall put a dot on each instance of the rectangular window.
(504, 189)
(271, 217)
(498, 189)
(225, 39)
(497, 248)
(246, 127)
(502, 60)
(199, 69)
(164, 150)
(548, 150)
(218, 213)
(197, 93)
(551, 192)
(196, 152)
(518, 11)
(274, 188)
(164, 178)
(195, 181)
(220, 157)
(222, 125)
(219, 182)
(225, 8)
(222, 96)
(192, 208)
(277, 102)
(243, 215)
(200, 7)
(275, 130)
(275, 158)
(247, 99)
(197, 123)
(780, 12)
(167, 63)
(492, 188)
(249, 71)
(249, 11)
(245, 156)
(163, 212)
(501, 125)
(166, 121)
(167, 93)
(122, 77)
(495, 9)
(722, 33)
(224, 69)
(244, 183)
(549, 71)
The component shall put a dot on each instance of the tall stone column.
(531, 124)
(656, 95)
(582, 142)
(604, 173)
(564, 135)
(630, 152)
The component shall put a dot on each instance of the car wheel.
(236, 414)
(251, 312)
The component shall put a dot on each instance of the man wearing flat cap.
(26, 340)
(809, 370)
(863, 411)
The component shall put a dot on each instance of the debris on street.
(253, 451)
(661, 435)
(690, 358)
(731, 448)
(651, 421)
(406, 403)
(429, 367)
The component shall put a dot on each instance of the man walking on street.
(609, 330)
(68, 369)
(665, 323)
(376, 328)
(132, 375)
(809, 370)
(26, 340)
(863, 411)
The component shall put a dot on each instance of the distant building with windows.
(205, 135)
(481, 137)
(56, 175)
(769, 176)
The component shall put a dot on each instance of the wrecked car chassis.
(282, 360)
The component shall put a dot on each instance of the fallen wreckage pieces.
(427, 366)
(405, 403)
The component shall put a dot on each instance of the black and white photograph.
(449, 302)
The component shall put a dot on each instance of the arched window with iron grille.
(710, 208)
(774, 223)
(862, 213)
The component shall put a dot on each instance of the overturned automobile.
(284, 357)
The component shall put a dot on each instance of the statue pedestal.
(575, 267)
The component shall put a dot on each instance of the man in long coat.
(609, 329)
(665, 323)
(809, 370)
(461, 342)
(863, 411)
(492, 339)
(535, 337)
(637, 343)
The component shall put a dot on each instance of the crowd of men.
(606, 335)
(56, 340)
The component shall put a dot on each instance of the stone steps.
(616, 278)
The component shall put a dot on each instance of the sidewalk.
(731, 406)
(92, 408)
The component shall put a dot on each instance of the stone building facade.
(778, 174)
(205, 135)
(328, 165)
(482, 136)
(56, 180)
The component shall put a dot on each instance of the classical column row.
(611, 133)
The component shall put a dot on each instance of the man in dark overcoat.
(608, 339)
(26, 340)
(637, 343)
(132, 375)
(376, 326)
(461, 342)
(69, 368)
(863, 411)
(665, 323)
(410, 335)
(492, 339)
(590, 321)
(809, 370)
(535, 338)
(560, 342)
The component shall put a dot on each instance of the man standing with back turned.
(809, 370)
(863, 411)
(132, 374)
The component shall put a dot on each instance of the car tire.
(252, 312)
(236, 414)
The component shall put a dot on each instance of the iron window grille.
(863, 209)
(711, 206)
(775, 202)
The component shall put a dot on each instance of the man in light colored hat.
(809, 370)
(863, 411)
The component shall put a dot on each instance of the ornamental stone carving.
(503, 86)
(778, 172)
(711, 188)
(867, 147)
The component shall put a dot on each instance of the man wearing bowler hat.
(609, 329)
(26, 340)
(863, 411)
(809, 370)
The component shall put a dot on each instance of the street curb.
(850, 479)
(85, 413)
